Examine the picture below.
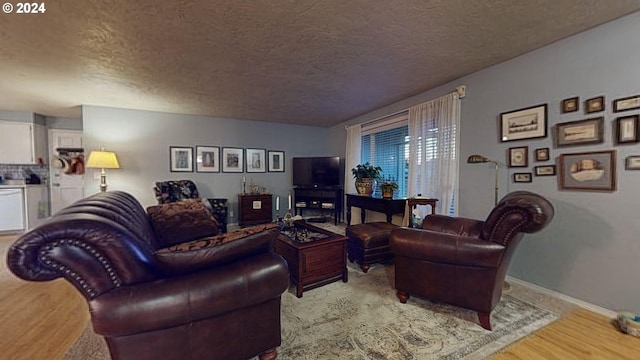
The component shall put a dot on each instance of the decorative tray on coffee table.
(300, 233)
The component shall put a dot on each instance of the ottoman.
(369, 243)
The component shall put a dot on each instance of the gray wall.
(141, 140)
(590, 250)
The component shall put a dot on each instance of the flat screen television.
(315, 172)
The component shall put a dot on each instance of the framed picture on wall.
(207, 159)
(542, 154)
(522, 177)
(256, 159)
(580, 132)
(518, 156)
(595, 104)
(527, 123)
(570, 105)
(545, 170)
(276, 161)
(627, 103)
(626, 129)
(180, 159)
(232, 160)
(591, 171)
(632, 162)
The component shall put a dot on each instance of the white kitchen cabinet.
(22, 143)
(11, 210)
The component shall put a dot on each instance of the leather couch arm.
(191, 297)
(445, 248)
(93, 253)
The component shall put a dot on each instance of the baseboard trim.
(583, 304)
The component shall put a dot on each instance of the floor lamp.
(103, 160)
(479, 159)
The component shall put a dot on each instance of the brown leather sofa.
(461, 261)
(214, 297)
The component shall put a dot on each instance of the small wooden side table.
(413, 202)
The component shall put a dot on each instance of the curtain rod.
(460, 90)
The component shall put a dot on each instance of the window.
(385, 143)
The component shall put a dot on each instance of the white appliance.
(11, 210)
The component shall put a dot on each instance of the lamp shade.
(103, 160)
(477, 159)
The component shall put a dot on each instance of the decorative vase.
(387, 194)
(366, 186)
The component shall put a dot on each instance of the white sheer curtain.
(352, 156)
(433, 151)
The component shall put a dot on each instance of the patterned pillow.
(219, 239)
(217, 250)
(181, 221)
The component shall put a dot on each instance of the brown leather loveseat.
(462, 261)
(213, 297)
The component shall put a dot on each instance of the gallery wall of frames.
(575, 170)
(215, 159)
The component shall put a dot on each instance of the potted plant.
(366, 176)
(387, 187)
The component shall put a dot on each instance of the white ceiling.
(307, 62)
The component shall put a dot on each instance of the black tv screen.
(316, 171)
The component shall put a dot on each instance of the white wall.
(590, 251)
(141, 140)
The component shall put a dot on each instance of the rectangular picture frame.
(522, 177)
(180, 159)
(232, 160)
(545, 170)
(542, 154)
(588, 171)
(255, 160)
(593, 105)
(580, 132)
(526, 123)
(518, 156)
(626, 129)
(626, 103)
(632, 162)
(208, 159)
(276, 161)
(570, 105)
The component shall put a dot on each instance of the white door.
(65, 188)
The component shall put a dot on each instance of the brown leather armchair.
(153, 296)
(462, 261)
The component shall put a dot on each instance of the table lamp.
(103, 160)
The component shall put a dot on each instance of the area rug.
(363, 319)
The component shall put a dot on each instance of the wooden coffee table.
(314, 261)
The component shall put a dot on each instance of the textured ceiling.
(306, 62)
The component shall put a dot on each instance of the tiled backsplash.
(18, 172)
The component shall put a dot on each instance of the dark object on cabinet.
(254, 209)
(214, 297)
(462, 261)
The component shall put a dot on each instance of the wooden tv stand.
(324, 199)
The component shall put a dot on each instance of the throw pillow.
(217, 250)
(181, 221)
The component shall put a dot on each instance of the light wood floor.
(42, 320)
